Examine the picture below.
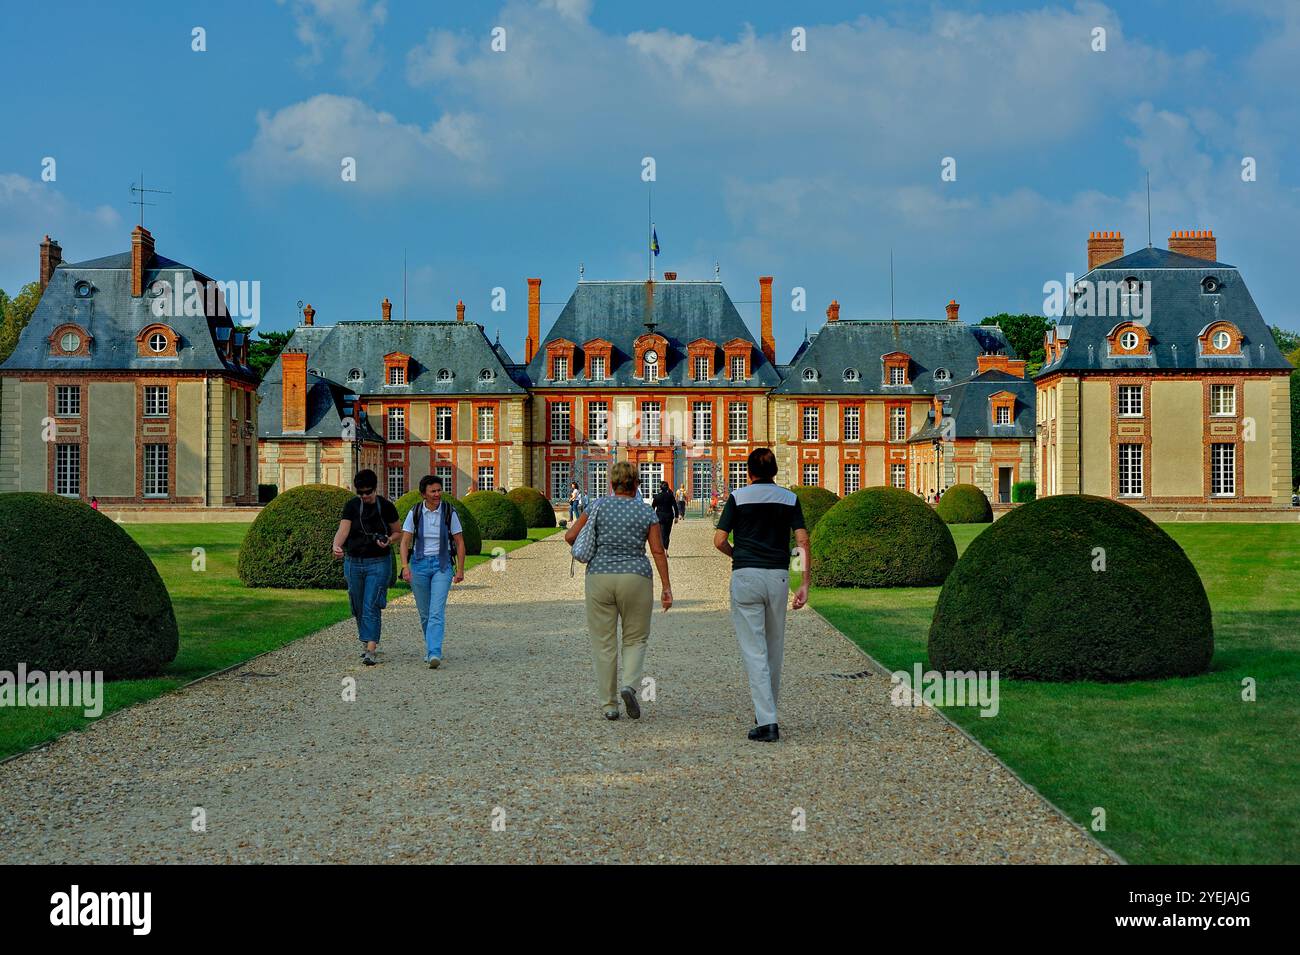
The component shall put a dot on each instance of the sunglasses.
(366, 493)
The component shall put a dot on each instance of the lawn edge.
(884, 671)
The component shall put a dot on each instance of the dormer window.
(397, 369)
(942, 374)
(486, 375)
(82, 289)
(1002, 408)
(69, 341)
(651, 365)
(396, 375)
(1129, 340)
(158, 343)
(1220, 338)
(1210, 285)
(810, 374)
(561, 359)
(897, 376)
(897, 365)
(560, 368)
(851, 374)
(354, 374)
(444, 374)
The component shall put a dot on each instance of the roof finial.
(582, 270)
(717, 271)
(498, 334)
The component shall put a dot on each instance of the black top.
(760, 517)
(665, 506)
(368, 522)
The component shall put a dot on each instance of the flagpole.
(649, 236)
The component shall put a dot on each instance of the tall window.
(1001, 415)
(852, 423)
(702, 421)
(396, 375)
(1130, 401)
(701, 367)
(487, 423)
(897, 375)
(597, 420)
(852, 478)
(561, 421)
(446, 472)
(651, 422)
(234, 404)
(738, 421)
(597, 368)
(155, 401)
(67, 401)
(560, 368)
(396, 483)
(737, 474)
(651, 361)
(1223, 470)
(560, 480)
(1223, 400)
(812, 475)
(442, 423)
(487, 478)
(397, 424)
(67, 470)
(811, 423)
(155, 470)
(897, 423)
(898, 475)
(598, 478)
(1130, 470)
(701, 479)
(652, 472)
(737, 367)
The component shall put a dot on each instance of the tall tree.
(15, 313)
(262, 354)
(1025, 333)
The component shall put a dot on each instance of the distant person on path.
(761, 516)
(433, 527)
(681, 503)
(368, 523)
(573, 502)
(620, 586)
(665, 507)
(94, 502)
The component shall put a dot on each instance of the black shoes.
(765, 734)
(629, 703)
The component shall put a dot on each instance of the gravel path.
(418, 767)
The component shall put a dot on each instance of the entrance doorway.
(1004, 485)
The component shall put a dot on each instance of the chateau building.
(1186, 404)
(114, 392)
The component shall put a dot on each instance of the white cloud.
(321, 25)
(30, 209)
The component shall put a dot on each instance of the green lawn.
(221, 621)
(1186, 771)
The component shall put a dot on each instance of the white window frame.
(443, 415)
(396, 375)
(701, 479)
(157, 401)
(701, 368)
(1217, 390)
(737, 474)
(156, 461)
(897, 423)
(811, 474)
(561, 478)
(1223, 470)
(597, 367)
(157, 339)
(487, 478)
(898, 476)
(396, 482)
(561, 421)
(897, 375)
(67, 401)
(651, 473)
(1129, 457)
(702, 422)
(1221, 340)
(1128, 406)
(650, 362)
(811, 423)
(852, 478)
(1128, 340)
(598, 421)
(560, 368)
(67, 470)
(652, 422)
(448, 475)
(1002, 415)
(853, 423)
(486, 418)
(737, 367)
(738, 421)
(396, 430)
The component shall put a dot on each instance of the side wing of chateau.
(1184, 404)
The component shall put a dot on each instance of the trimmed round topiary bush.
(964, 504)
(289, 543)
(814, 502)
(498, 517)
(78, 593)
(1073, 587)
(881, 537)
(468, 523)
(537, 510)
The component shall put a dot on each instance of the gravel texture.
(420, 765)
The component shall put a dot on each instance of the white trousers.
(758, 603)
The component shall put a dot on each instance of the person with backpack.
(611, 540)
(366, 526)
(433, 531)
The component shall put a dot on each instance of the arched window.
(851, 374)
(444, 374)
(810, 374)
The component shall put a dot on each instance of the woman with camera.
(367, 524)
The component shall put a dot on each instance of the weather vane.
(141, 190)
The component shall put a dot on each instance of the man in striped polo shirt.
(760, 517)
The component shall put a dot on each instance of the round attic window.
(444, 374)
(810, 374)
(1222, 340)
(1210, 284)
(157, 342)
(851, 374)
(1129, 340)
(942, 374)
(159, 288)
(486, 375)
(354, 374)
(70, 341)
(82, 289)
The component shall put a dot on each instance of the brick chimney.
(1198, 244)
(992, 362)
(141, 256)
(833, 311)
(51, 258)
(460, 311)
(765, 339)
(533, 341)
(293, 394)
(953, 308)
(670, 276)
(1104, 247)
(308, 315)
(387, 308)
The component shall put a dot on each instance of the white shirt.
(431, 528)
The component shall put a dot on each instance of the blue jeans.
(368, 592)
(574, 511)
(431, 585)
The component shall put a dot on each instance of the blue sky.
(490, 167)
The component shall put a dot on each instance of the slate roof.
(334, 351)
(968, 406)
(1180, 311)
(683, 312)
(861, 345)
(114, 318)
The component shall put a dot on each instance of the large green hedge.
(1073, 587)
(78, 593)
(881, 537)
(468, 524)
(1022, 492)
(814, 502)
(289, 545)
(964, 504)
(537, 510)
(498, 517)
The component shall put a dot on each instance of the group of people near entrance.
(753, 531)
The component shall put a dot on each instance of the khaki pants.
(611, 597)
